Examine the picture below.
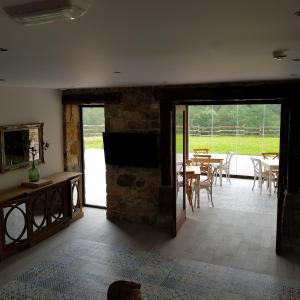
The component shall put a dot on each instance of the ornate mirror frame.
(17, 128)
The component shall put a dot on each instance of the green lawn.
(249, 145)
(93, 142)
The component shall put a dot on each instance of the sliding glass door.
(244, 129)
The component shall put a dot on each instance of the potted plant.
(33, 172)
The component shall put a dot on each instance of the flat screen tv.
(131, 149)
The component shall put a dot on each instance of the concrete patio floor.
(95, 180)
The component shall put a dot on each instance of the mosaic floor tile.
(84, 270)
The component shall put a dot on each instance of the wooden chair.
(200, 151)
(270, 155)
(206, 184)
(197, 161)
(189, 187)
(203, 162)
(189, 162)
(202, 155)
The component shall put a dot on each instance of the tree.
(93, 116)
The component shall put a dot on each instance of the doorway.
(246, 130)
(93, 125)
(237, 208)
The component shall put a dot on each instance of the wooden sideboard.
(30, 215)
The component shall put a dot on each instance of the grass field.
(93, 143)
(248, 145)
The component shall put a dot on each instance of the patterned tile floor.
(84, 269)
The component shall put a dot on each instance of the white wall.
(30, 105)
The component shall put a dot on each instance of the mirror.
(15, 142)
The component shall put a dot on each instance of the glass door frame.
(238, 104)
(82, 157)
(179, 219)
(283, 142)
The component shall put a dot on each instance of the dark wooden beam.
(165, 143)
(230, 92)
(91, 99)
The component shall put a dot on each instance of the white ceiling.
(154, 42)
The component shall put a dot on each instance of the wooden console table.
(30, 215)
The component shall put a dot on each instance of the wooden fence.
(231, 131)
(96, 130)
(93, 130)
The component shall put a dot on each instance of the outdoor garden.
(242, 129)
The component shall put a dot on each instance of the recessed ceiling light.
(296, 59)
(3, 49)
(117, 72)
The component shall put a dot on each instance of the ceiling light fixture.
(279, 54)
(2, 79)
(33, 12)
(117, 72)
(3, 49)
(297, 13)
(296, 59)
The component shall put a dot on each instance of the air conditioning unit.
(33, 12)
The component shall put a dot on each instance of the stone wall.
(72, 138)
(132, 193)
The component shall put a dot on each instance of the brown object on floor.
(124, 290)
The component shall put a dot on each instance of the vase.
(33, 173)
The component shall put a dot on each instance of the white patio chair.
(179, 176)
(225, 168)
(259, 174)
